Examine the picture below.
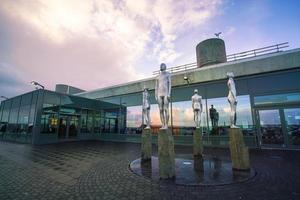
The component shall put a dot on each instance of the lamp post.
(3, 97)
(37, 84)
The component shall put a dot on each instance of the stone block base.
(166, 154)
(238, 150)
(146, 144)
(197, 143)
(198, 164)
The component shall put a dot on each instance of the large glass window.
(5, 115)
(133, 119)
(13, 126)
(270, 127)
(292, 117)
(222, 115)
(111, 121)
(1, 109)
(24, 113)
(183, 117)
(32, 112)
(86, 121)
(98, 122)
(277, 99)
(49, 118)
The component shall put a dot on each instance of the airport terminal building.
(268, 110)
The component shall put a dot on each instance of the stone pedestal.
(197, 143)
(238, 150)
(198, 164)
(146, 144)
(166, 154)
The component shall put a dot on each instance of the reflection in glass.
(244, 117)
(62, 129)
(270, 126)
(292, 117)
(49, 118)
(5, 115)
(24, 111)
(31, 119)
(134, 116)
(134, 119)
(111, 121)
(13, 126)
(277, 99)
(183, 117)
(73, 126)
(86, 121)
(97, 122)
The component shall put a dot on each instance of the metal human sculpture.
(232, 99)
(163, 94)
(197, 108)
(146, 108)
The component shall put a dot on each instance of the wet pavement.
(100, 170)
(190, 171)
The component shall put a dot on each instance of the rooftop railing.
(257, 52)
(233, 57)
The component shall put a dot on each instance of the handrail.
(233, 57)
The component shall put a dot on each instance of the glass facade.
(17, 117)
(292, 117)
(243, 112)
(269, 119)
(60, 116)
(288, 98)
(182, 117)
(133, 120)
(49, 117)
(270, 127)
(278, 119)
(67, 116)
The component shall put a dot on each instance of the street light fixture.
(37, 84)
(186, 79)
(3, 97)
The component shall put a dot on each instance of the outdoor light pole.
(4, 97)
(37, 84)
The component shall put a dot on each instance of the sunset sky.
(96, 43)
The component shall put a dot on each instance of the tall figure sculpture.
(197, 108)
(232, 99)
(146, 108)
(162, 94)
(238, 150)
(165, 140)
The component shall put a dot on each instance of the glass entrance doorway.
(68, 126)
(292, 119)
(271, 132)
(279, 127)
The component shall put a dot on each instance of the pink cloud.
(92, 44)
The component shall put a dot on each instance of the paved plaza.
(99, 170)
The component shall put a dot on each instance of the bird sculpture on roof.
(218, 34)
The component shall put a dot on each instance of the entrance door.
(292, 123)
(68, 126)
(73, 126)
(63, 127)
(279, 127)
(270, 128)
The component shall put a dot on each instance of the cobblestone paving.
(99, 170)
